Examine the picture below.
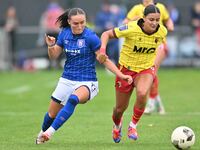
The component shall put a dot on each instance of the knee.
(142, 95)
(73, 100)
(71, 104)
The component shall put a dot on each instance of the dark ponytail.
(63, 19)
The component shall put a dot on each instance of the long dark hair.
(63, 19)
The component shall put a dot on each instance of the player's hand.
(101, 57)
(128, 78)
(50, 40)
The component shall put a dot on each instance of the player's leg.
(143, 82)
(54, 108)
(154, 101)
(160, 106)
(83, 91)
(59, 97)
(122, 101)
(162, 54)
(123, 94)
(80, 95)
(153, 93)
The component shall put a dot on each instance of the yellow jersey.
(137, 11)
(138, 51)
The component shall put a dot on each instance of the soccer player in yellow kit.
(135, 13)
(137, 56)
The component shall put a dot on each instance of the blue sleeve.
(59, 41)
(94, 42)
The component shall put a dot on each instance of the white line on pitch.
(17, 90)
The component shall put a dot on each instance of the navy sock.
(47, 122)
(65, 112)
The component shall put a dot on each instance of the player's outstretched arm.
(170, 25)
(101, 57)
(105, 38)
(113, 68)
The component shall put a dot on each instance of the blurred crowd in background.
(184, 42)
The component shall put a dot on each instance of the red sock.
(137, 113)
(116, 120)
(154, 88)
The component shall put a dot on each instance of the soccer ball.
(183, 137)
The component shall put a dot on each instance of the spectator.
(48, 26)
(174, 13)
(108, 18)
(10, 26)
(195, 14)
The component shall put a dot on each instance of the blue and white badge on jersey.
(81, 43)
(66, 42)
(124, 27)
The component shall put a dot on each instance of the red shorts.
(123, 86)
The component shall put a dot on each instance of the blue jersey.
(80, 54)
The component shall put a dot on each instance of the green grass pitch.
(24, 98)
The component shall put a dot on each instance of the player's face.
(151, 22)
(77, 23)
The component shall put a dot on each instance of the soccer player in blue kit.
(78, 82)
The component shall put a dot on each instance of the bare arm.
(105, 38)
(113, 68)
(101, 57)
(169, 24)
(53, 50)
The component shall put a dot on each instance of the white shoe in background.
(160, 106)
(150, 106)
